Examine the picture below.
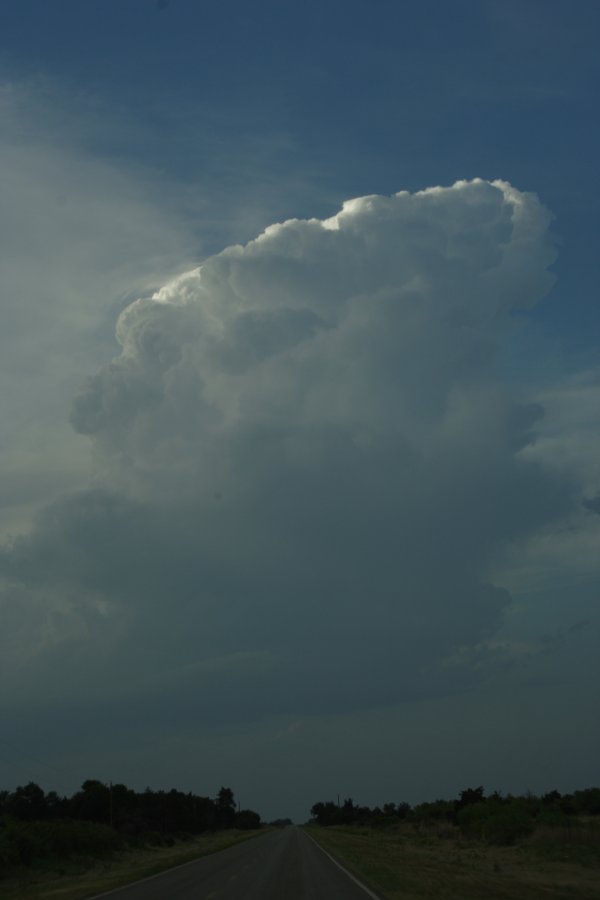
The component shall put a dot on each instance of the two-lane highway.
(280, 865)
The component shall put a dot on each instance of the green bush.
(23, 843)
(501, 823)
(247, 819)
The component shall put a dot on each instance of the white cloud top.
(384, 322)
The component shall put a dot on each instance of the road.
(280, 865)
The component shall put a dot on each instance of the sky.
(300, 490)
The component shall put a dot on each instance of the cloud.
(306, 464)
(563, 554)
(89, 221)
(77, 234)
(592, 504)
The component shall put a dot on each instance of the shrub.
(247, 819)
(23, 843)
(503, 823)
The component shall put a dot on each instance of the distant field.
(86, 877)
(404, 864)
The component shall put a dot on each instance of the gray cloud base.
(306, 463)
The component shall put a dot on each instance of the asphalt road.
(280, 865)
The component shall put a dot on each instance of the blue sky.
(139, 139)
(350, 97)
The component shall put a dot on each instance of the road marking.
(367, 890)
(151, 877)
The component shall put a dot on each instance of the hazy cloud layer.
(564, 554)
(80, 237)
(306, 466)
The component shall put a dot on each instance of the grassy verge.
(85, 877)
(405, 864)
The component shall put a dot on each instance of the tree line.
(496, 818)
(101, 818)
(127, 811)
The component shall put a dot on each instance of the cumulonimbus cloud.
(314, 456)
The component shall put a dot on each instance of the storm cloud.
(307, 463)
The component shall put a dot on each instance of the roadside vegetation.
(81, 876)
(107, 835)
(495, 847)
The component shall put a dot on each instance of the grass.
(407, 864)
(85, 877)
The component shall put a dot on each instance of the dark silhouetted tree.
(247, 819)
(225, 804)
(27, 802)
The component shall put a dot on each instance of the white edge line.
(190, 862)
(340, 866)
(130, 884)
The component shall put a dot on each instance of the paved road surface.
(280, 865)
